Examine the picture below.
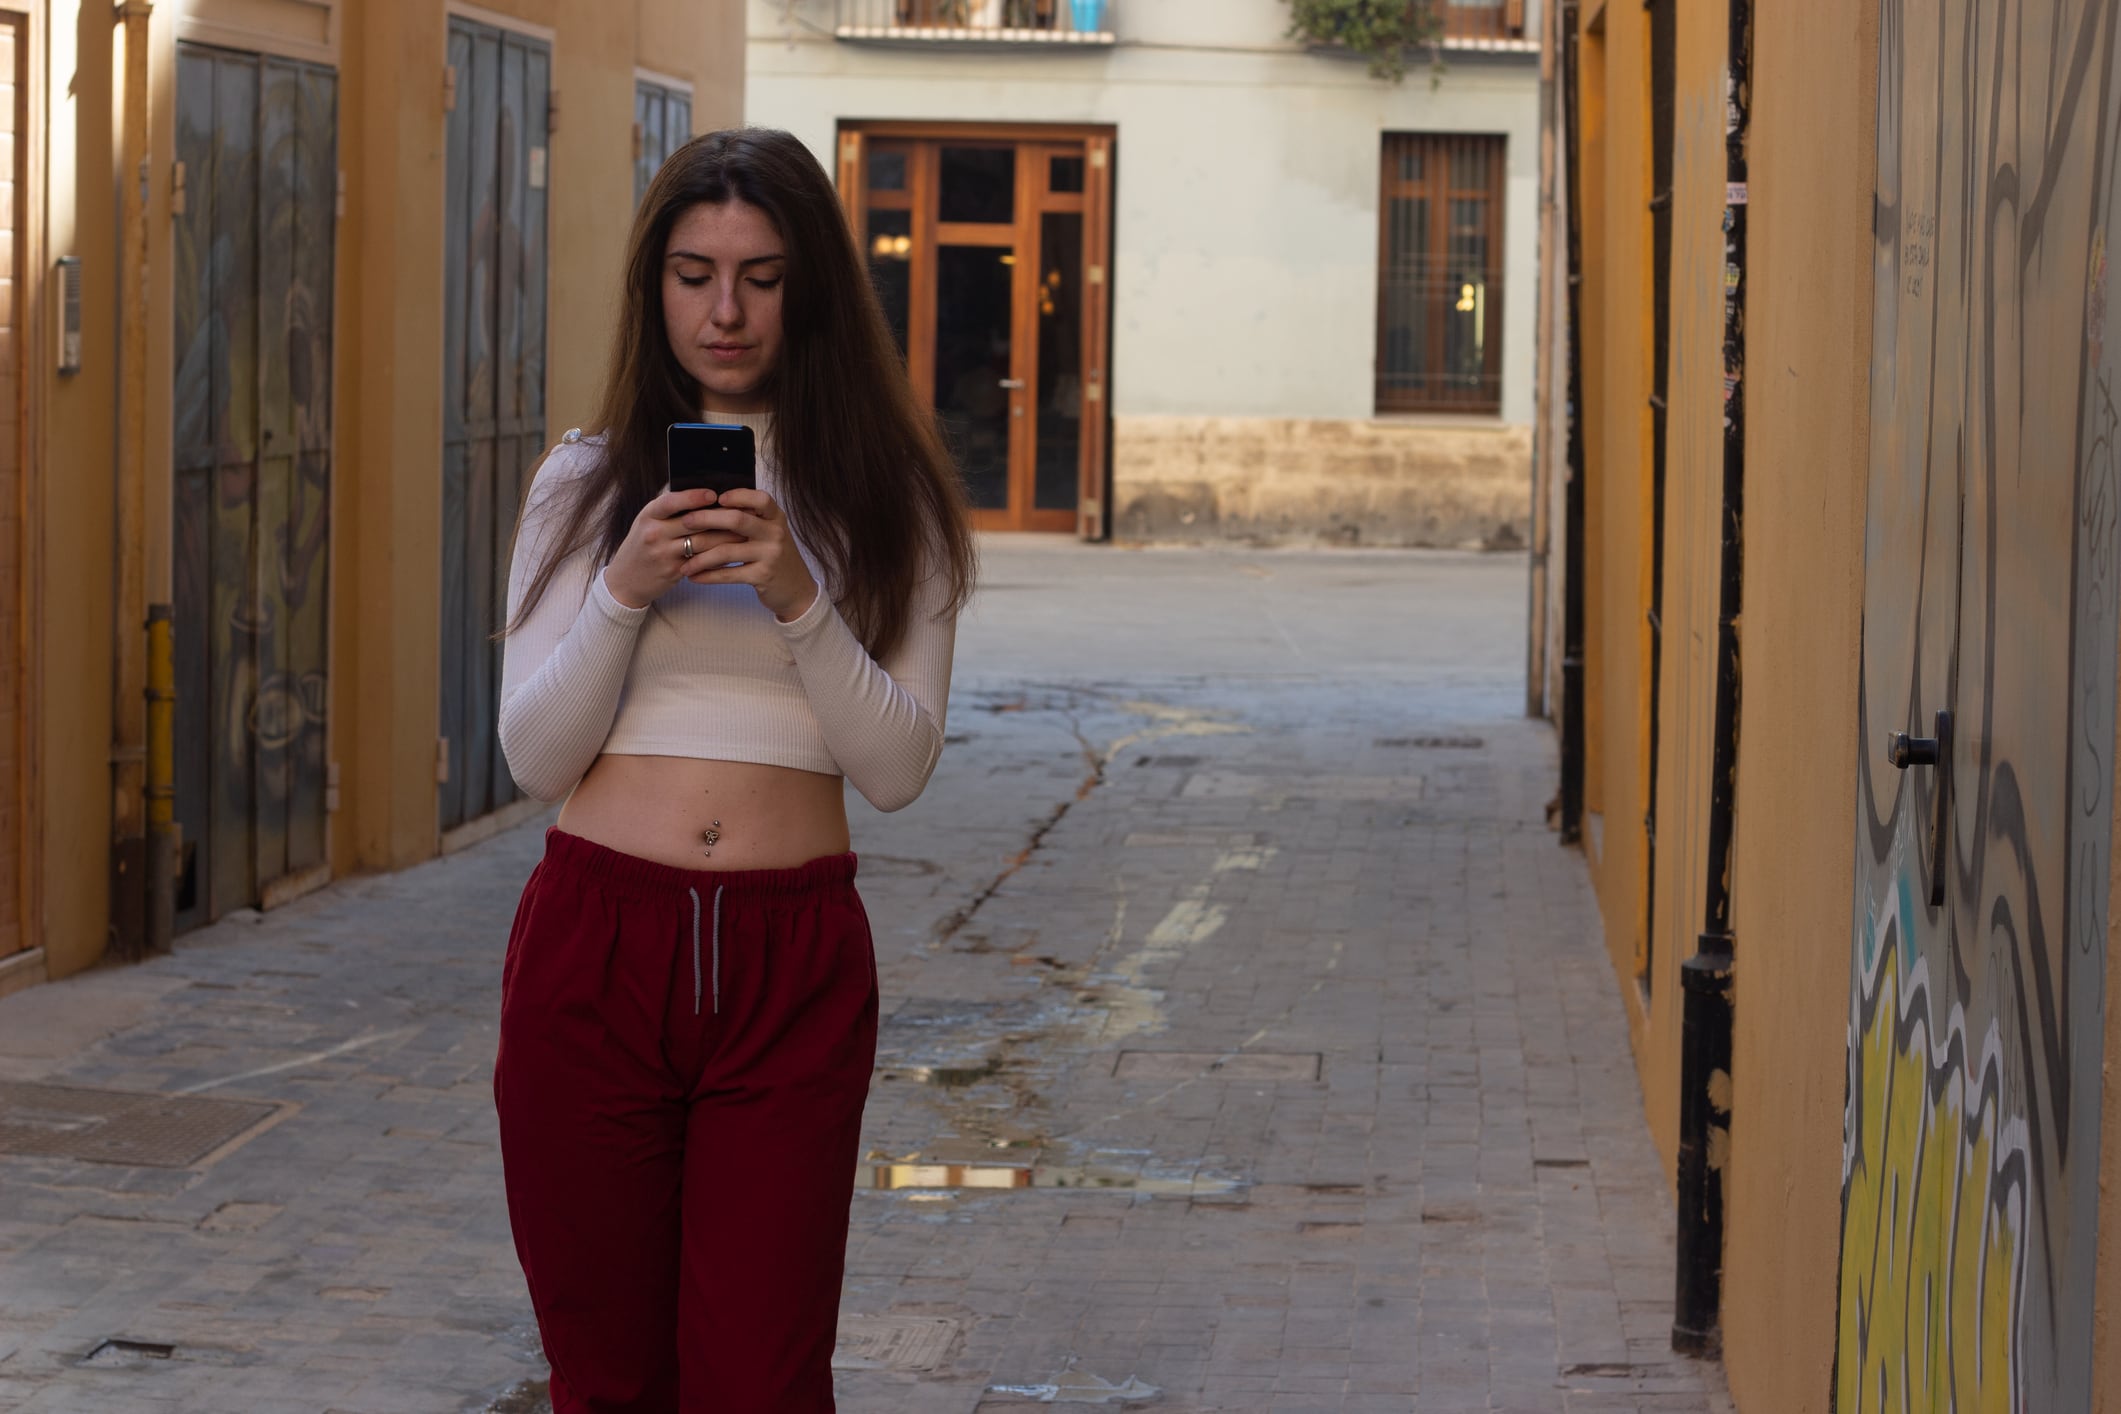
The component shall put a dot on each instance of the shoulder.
(571, 461)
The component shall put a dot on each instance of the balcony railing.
(1005, 22)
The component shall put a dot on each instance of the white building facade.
(1168, 273)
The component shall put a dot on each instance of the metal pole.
(1572, 744)
(1705, 1022)
(128, 903)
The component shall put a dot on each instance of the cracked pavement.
(1248, 1044)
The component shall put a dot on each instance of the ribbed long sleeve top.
(707, 671)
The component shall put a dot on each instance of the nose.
(727, 312)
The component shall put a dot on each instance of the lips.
(727, 353)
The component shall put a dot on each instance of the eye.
(690, 281)
(773, 283)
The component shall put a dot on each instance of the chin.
(725, 385)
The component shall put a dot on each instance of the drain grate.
(1431, 743)
(894, 1342)
(119, 1126)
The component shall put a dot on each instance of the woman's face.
(722, 271)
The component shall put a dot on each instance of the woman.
(688, 1015)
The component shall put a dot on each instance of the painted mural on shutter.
(494, 393)
(1970, 1169)
(252, 450)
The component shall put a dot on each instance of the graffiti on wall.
(1970, 1143)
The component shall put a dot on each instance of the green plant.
(1381, 31)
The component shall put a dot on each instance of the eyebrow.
(709, 260)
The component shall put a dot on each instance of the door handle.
(1905, 752)
(1012, 383)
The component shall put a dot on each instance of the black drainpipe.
(1705, 978)
(1572, 501)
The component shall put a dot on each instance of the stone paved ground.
(1249, 1045)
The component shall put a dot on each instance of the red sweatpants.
(684, 1056)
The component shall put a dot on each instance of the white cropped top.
(707, 671)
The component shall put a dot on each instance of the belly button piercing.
(712, 836)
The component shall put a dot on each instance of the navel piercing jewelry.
(713, 835)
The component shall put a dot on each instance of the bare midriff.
(665, 808)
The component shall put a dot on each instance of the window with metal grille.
(662, 123)
(1439, 286)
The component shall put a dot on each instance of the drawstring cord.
(695, 950)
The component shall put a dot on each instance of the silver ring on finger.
(688, 547)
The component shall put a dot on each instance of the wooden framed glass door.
(988, 249)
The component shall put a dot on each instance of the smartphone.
(720, 457)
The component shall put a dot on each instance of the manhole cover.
(119, 1126)
(894, 1342)
(1218, 1065)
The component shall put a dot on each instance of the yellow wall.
(1693, 569)
(1805, 458)
(1617, 386)
(2106, 1298)
(386, 548)
(75, 468)
(1807, 455)
(386, 630)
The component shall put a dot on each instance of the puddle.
(919, 1176)
(947, 1076)
(1078, 1388)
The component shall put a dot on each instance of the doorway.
(990, 249)
(258, 141)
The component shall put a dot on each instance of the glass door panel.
(974, 330)
(978, 185)
(1060, 361)
(891, 267)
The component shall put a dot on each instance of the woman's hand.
(754, 548)
(652, 558)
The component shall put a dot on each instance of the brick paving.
(1249, 1044)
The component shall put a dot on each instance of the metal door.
(494, 372)
(1982, 840)
(662, 123)
(257, 139)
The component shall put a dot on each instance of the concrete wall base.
(24, 969)
(1412, 482)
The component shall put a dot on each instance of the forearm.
(885, 739)
(555, 722)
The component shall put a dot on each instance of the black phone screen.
(718, 456)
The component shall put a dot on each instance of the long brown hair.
(869, 489)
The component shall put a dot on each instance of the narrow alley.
(1248, 1044)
